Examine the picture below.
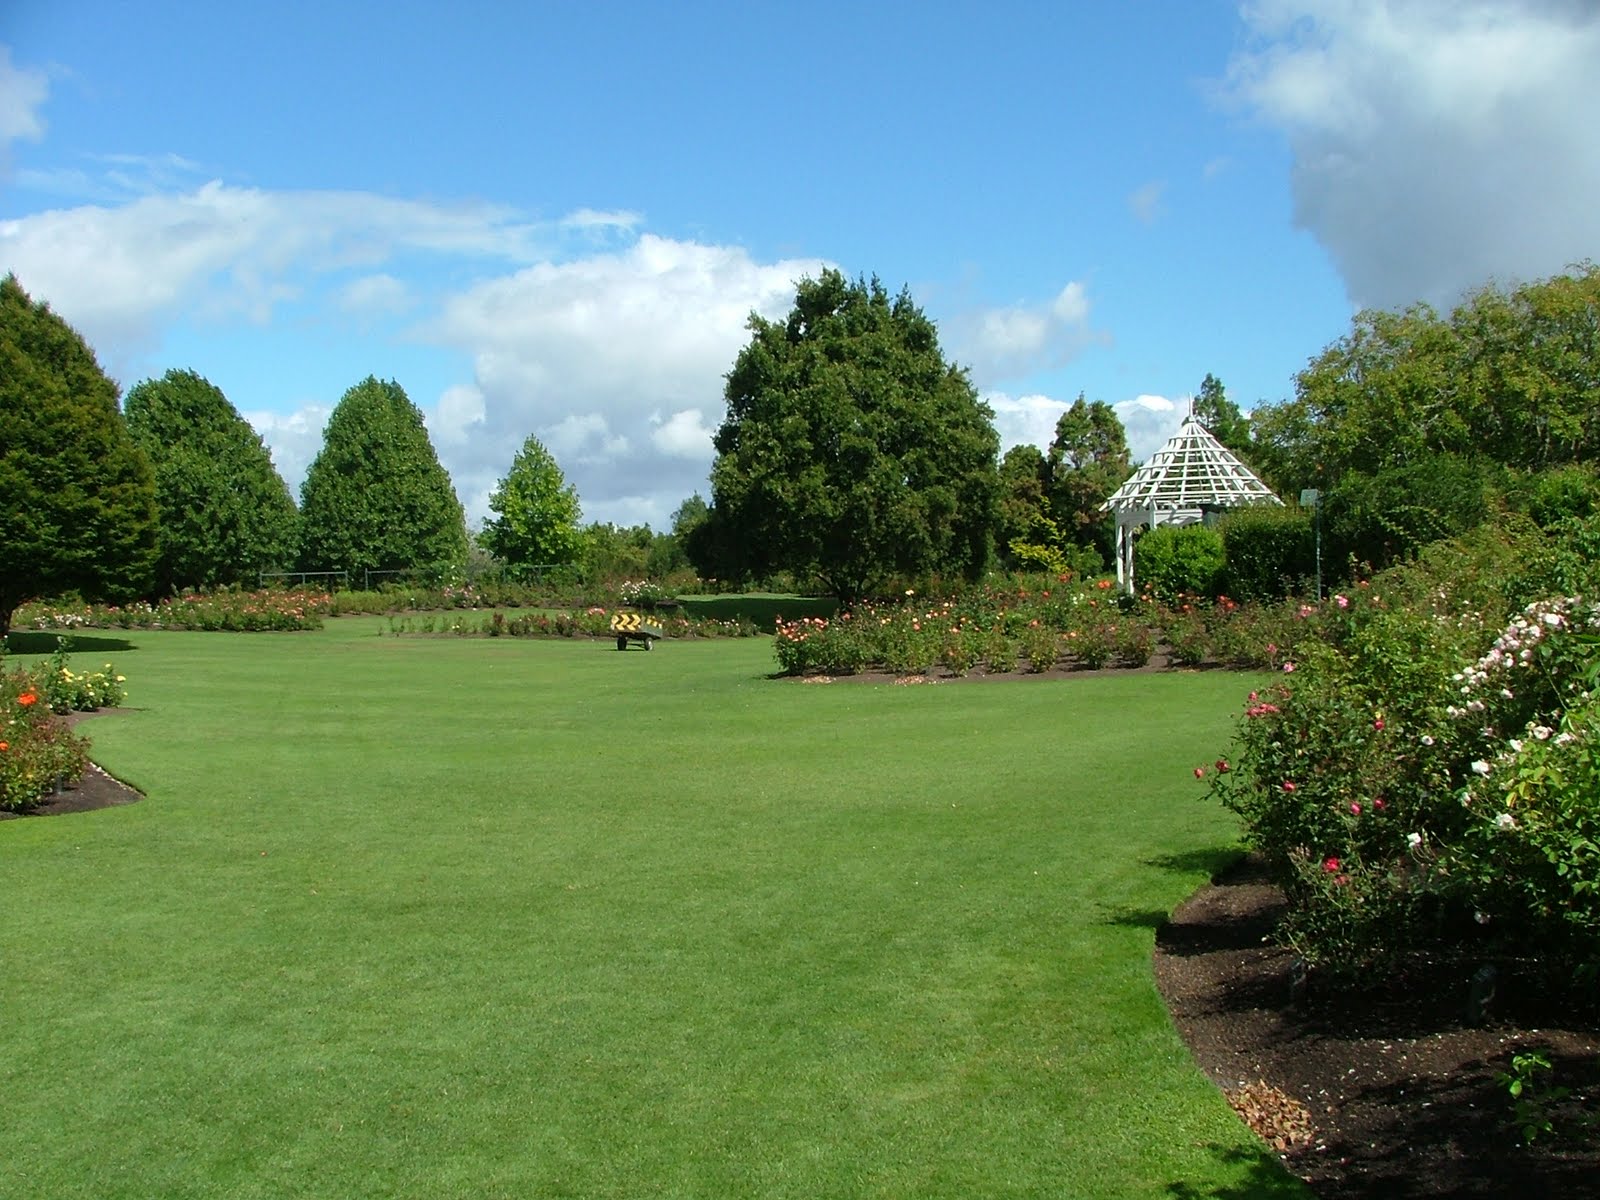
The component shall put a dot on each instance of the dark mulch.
(1390, 1093)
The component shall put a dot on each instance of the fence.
(342, 577)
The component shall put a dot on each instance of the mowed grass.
(449, 918)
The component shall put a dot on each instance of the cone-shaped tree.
(376, 498)
(226, 514)
(535, 510)
(851, 451)
(77, 503)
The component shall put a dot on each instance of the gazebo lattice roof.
(1191, 471)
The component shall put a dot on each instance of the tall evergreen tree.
(376, 498)
(226, 514)
(851, 450)
(77, 501)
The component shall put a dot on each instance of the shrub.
(1170, 561)
(1270, 552)
(68, 691)
(1001, 653)
(1042, 644)
(36, 752)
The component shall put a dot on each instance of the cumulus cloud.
(1437, 143)
(1148, 421)
(587, 355)
(1006, 343)
(293, 439)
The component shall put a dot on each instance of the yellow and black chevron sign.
(625, 622)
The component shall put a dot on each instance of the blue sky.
(554, 219)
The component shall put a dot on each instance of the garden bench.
(630, 627)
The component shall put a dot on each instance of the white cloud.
(1437, 143)
(22, 94)
(120, 273)
(294, 439)
(1148, 421)
(1007, 343)
(376, 295)
(588, 354)
(1145, 201)
(685, 435)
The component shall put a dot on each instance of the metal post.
(1313, 497)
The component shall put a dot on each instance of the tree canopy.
(851, 450)
(536, 515)
(1512, 376)
(376, 498)
(77, 500)
(1221, 416)
(1088, 460)
(225, 513)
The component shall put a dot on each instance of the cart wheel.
(622, 643)
(649, 643)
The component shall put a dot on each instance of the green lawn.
(469, 918)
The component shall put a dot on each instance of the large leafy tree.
(376, 497)
(1510, 376)
(77, 501)
(1087, 460)
(851, 450)
(226, 514)
(535, 521)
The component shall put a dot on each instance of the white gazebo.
(1189, 476)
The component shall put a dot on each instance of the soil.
(1390, 1092)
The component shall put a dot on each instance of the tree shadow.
(1135, 918)
(1214, 861)
(1264, 1178)
(45, 641)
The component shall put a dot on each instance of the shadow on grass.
(1264, 1178)
(1212, 860)
(1136, 918)
(44, 642)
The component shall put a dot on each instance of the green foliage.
(225, 513)
(1269, 552)
(66, 690)
(1424, 774)
(1177, 560)
(1509, 377)
(536, 515)
(376, 498)
(36, 752)
(850, 451)
(1531, 1094)
(1390, 515)
(77, 501)
(1087, 461)
(1222, 417)
(1552, 498)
